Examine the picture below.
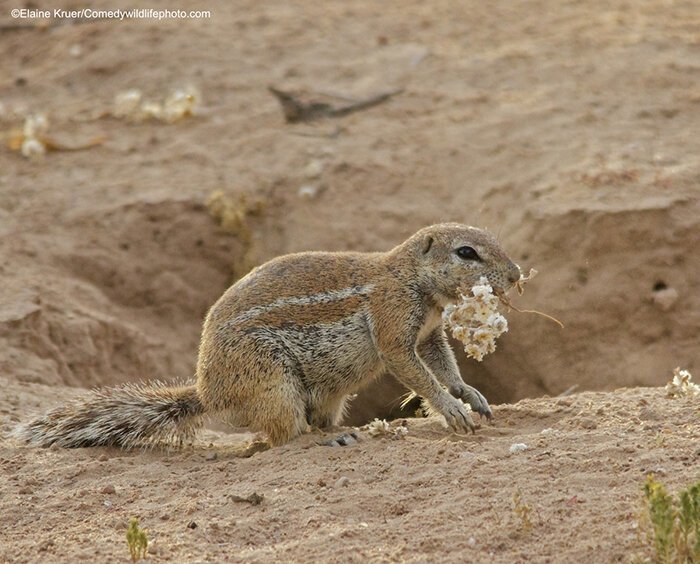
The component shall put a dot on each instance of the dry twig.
(298, 107)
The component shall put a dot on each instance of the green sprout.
(673, 525)
(137, 540)
(523, 511)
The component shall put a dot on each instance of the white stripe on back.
(321, 298)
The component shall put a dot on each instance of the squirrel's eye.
(467, 253)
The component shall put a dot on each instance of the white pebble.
(665, 299)
(517, 447)
(342, 482)
(308, 191)
(314, 169)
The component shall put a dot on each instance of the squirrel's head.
(450, 256)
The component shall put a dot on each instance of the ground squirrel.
(285, 346)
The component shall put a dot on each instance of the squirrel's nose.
(513, 273)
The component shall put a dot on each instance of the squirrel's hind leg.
(262, 391)
(280, 409)
(326, 412)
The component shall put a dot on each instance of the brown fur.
(288, 343)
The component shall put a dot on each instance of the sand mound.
(119, 297)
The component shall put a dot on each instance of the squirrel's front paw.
(474, 398)
(457, 415)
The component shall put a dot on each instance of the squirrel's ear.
(426, 244)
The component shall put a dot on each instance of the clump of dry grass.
(381, 427)
(178, 105)
(681, 385)
(33, 141)
(519, 288)
(522, 511)
(234, 213)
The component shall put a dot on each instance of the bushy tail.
(127, 416)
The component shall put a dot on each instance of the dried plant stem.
(504, 300)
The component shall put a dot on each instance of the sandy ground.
(567, 128)
(429, 496)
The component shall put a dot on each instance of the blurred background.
(145, 165)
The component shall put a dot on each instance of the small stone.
(45, 545)
(192, 525)
(314, 169)
(648, 414)
(471, 541)
(211, 456)
(342, 482)
(165, 517)
(103, 458)
(587, 423)
(321, 483)
(108, 489)
(517, 447)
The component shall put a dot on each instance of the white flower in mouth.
(476, 321)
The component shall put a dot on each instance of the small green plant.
(522, 511)
(672, 525)
(136, 539)
(660, 439)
